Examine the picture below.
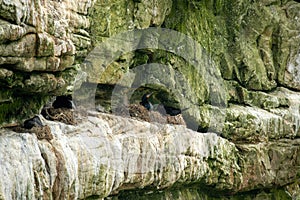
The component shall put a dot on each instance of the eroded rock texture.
(248, 51)
(40, 43)
(232, 65)
(106, 154)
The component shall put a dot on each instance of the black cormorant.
(145, 101)
(35, 121)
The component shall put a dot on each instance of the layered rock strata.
(40, 42)
(241, 87)
(106, 154)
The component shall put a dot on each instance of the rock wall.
(41, 42)
(251, 59)
(107, 154)
(241, 87)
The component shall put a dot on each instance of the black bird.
(145, 101)
(35, 121)
(63, 102)
(174, 111)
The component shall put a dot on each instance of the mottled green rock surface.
(254, 46)
(40, 45)
(250, 96)
(237, 73)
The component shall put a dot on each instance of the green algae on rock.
(252, 47)
(38, 44)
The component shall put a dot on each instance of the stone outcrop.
(40, 44)
(247, 60)
(233, 66)
(106, 154)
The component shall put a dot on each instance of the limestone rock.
(107, 154)
(38, 44)
(278, 120)
(234, 65)
(244, 37)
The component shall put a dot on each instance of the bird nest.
(139, 112)
(64, 115)
(41, 132)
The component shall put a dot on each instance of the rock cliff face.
(235, 65)
(40, 42)
(107, 154)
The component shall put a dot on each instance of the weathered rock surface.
(238, 75)
(39, 43)
(255, 58)
(106, 154)
(256, 43)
